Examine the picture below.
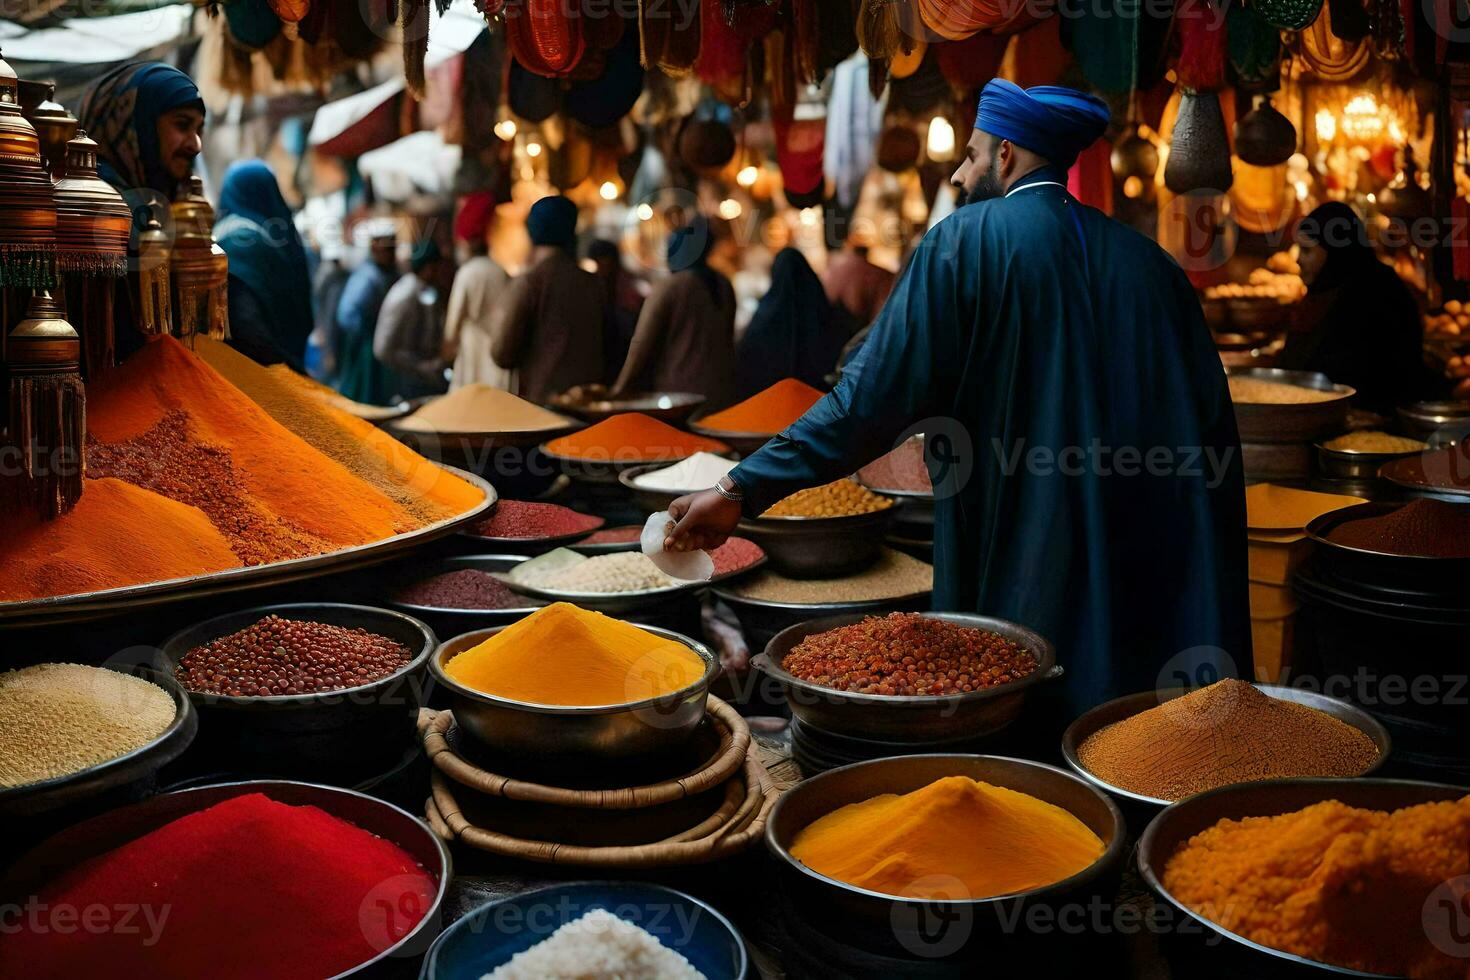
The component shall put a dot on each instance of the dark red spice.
(735, 554)
(284, 656)
(1422, 528)
(247, 888)
(528, 519)
(908, 654)
(465, 588)
(614, 535)
(902, 469)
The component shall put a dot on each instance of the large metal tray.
(92, 605)
(1291, 422)
(624, 602)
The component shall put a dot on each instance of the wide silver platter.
(621, 602)
(129, 598)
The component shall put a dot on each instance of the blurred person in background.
(360, 376)
(855, 284)
(548, 328)
(478, 284)
(795, 333)
(326, 293)
(623, 300)
(269, 290)
(685, 340)
(409, 337)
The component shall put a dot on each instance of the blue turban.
(1056, 122)
(553, 221)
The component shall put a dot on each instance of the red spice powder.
(250, 887)
(1422, 528)
(768, 412)
(615, 535)
(528, 519)
(632, 438)
(735, 554)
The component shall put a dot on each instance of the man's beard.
(988, 187)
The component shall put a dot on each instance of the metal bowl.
(651, 499)
(346, 734)
(1374, 565)
(1443, 473)
(619, 603)
(821, 547)
(1126, 707)
(99, 835)
(1425, 420)
(449, 621)
(743, 443)
(918, 718)
(135, 767)
(814, 798)
(762, 619)
(1346, 465)
(1304, 422)
(525, 546)
(1234, 955)
(604, 471)
(673, 407)
(616, 731)
(490, 935)
(592, 549)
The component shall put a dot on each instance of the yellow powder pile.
(1362, 889)
(482, 408)
(570, 657)
(956, 838)
(1254, 391)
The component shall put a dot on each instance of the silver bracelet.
(738, 496)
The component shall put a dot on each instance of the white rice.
(598, 946)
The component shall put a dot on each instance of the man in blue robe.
(1100, 500)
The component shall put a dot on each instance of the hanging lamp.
(93, 225)
(48, 411)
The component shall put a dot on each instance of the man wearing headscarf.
(360, 376)
(685, 339)
(548, 327)
(270, 290)
(478, 283)
(409, 337)
(1080, 431)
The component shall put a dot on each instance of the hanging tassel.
(415, 24)
(48, 410)
(219, 313)
(1202, 46)
(90, 309)
(154, 315)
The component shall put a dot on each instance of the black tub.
(340, 737)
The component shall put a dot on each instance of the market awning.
(419, 163)
(93, 40)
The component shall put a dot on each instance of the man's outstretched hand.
(704, 521)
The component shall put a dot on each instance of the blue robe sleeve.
(904, 373)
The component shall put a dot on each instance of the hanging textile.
(480, 91)
(838, 33)
(922, 91)
(728, 33)
(969, 64)
(1288, 15)
(1037, 56)
(543, 38)
(1329, 57)
(604, 100)
(806, 40)
(854, 120)
(955, 20)
(879, 30)
(669, 36)
(1091, 178)
(799, 152)
(1255, 50)
(1104, 41)
(1201, 26)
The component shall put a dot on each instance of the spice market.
(734, 489)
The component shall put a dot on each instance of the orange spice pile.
(632, 437)
(768, 412)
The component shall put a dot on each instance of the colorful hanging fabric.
(669, 36)
(725, 45)
(1091, 178)
(602, 35)
(604, 100)
(854, 120)
(1255, 50)
(1104, 41)
(1262, 201)
(780, 75)
(799, 149)
(955, 20)
(879, 31)
(969, 64)
(1037, 56)
(1329, 57)
(1288, 15)
(542, 37)
(252, 23)
(922, 91)
(838, 32)
(806, 39)
(1201, 26)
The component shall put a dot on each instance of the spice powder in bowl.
(908, 654)
(1229, 732)
(277, 657)
(58, 719)
(1422, 528)
(894, 575)
(530, 520)
(463, 588)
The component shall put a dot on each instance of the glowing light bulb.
(941, 139)
(608, 190)
(747, 176)
(1326, 126)
(645, 212)
(1133, 187)
(808, 217)
(533, 149)
(506, 129)
(730, 209)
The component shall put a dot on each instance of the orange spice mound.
(632, 437)
(768, 412)
(1338, 884)
(275, 467)
(426, 490)
(117, 535)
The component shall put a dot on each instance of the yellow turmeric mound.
(956, 838)
(1333, 883)
(569, 657)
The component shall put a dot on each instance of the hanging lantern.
(153, 306)
(27, 211)
(198, 268)
(1288, 15)
(54, 125)
(1405, 199)
(1135, 156)
(92, 228)
(48, 410)
(1264, 137)
(1199, 151)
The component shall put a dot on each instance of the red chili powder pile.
(735, 554)
(768, 412)
(1422, 528)
(250, 887)
(632, 437)
(615, 535)
(530, 519)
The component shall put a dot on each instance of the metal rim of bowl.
(1359, 456)
(1155, 882)
(1317, 529)
(1071, 741)
(184, 716)
(711, 671)
(615, 406)
(626, 478)
(1112, 851)
(554, 541)
(698, 427)
(1435, 413)
(1315, 380)
(817, 524)
(424, 653)
(459, 563)
(856, 605)
(1036, 644)
(617, 465)
(922, 496)
(480, 911)
(568, 426)
(683, 588)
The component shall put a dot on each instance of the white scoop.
(691, 566)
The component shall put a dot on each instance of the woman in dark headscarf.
(795, 333)
(270, 291)
(1358, 323)
(685, 340)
